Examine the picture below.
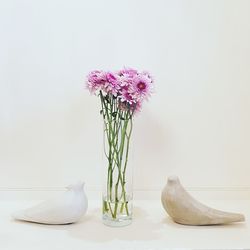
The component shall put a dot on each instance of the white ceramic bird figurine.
(184, 209)
(65, 209)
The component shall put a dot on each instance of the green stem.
(125, 166)
(116, 122)
(106, 118)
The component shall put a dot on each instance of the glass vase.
(117, 177)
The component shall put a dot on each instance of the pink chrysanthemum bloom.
(128, 85)
(125, 82)
(146, 73)
(137, 107)
(129, 72)
(96, 80)
(134, 107)
(126, 96)
(113, 84)
(126, 91)
(142, 87)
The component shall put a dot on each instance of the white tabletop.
(151, 229)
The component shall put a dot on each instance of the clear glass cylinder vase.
(117, 192)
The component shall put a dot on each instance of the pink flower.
(134, 107)
(126, 96)
(96, 80)
(129, 72)
(112, 85)
(108, 82)
(126, 91)
(110, 77)
(142, 87)
(137, 107)
(129, 86)
(146, 73)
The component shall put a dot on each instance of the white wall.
(196, 125)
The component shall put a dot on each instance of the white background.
(197, 124)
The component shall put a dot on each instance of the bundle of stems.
(118, 124)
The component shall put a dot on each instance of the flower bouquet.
(121, 94)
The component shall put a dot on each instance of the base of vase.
(119, 222)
